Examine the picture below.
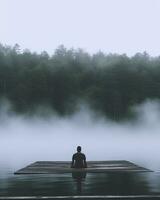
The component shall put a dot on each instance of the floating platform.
(55, 167)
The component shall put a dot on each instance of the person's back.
(79, 159)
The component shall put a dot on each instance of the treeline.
(110, 84)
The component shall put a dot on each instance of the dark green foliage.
(110, 84)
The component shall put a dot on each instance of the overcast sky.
(117, 26)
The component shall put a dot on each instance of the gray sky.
(117, 26)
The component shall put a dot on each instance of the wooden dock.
(54, 167)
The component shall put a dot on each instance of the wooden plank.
(51, 167)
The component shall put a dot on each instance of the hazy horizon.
(24, 140)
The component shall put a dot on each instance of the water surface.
(117, 183)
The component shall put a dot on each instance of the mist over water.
(28, 139)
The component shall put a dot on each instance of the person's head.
(79, 149)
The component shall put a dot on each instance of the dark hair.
(79, 148)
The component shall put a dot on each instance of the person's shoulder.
(83, 154)
(74, 154)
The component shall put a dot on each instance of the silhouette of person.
(79, 159)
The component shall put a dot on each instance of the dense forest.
(109, 83)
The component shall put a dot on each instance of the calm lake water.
(75, 184)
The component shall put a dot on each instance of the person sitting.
(79, 159)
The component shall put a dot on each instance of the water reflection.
(79, 177)
(80, 184)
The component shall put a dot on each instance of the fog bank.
(24, 140)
